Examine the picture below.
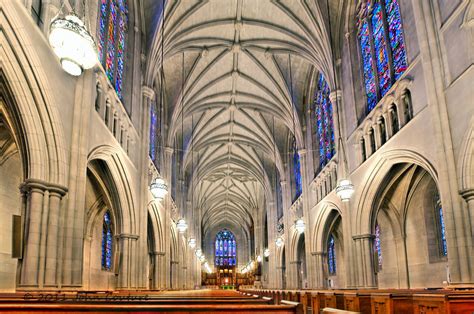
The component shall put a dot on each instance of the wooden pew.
(130, 308)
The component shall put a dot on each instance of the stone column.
(468, 196)
(30, 272)
(318, 258)
(365, 257)
(56, 193)
(272, 235)
(306, 211)
(126, 254)
(388, 124)
(377, 135)
(336, 101)
(174, 273)
(159, 278)
(168, 155)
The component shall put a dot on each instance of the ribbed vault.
(236, 77)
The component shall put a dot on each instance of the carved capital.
(148, 92)
(467, 194)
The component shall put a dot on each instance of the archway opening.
(11, 205)
(409, 247)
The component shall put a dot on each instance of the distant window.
(113, 22)
(443, 247)
(296, 169)
(225, 249)
(155, 134)
(382, 47)
(378, 246)
(107, 242)
(331, 255)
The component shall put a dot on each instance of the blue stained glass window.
(323, 124)
(331, 255)
(225, 254)
(297, 170)
(367, 59)
(378, 246)
(382, 47)
(442, 228)
(107, 242)
(113, 20)
(395, 32)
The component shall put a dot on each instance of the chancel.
(209, 156)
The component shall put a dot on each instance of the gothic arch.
(367, 195)
(27, 92)
(123, 196)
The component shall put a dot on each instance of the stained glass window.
(323, 127)
(107, 242)
(155, 134)
(225, 254)
(395, 32)
(113, 20)
(331, 255)
(382, 47)
(378, 246)
(296, 170)
(442, 228)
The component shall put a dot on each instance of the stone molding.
(43, 186)
(363, 236)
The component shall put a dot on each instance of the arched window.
(378, 247)
(296, 169)
(225, 249)
(107, 242)
(362, 149)
(331, 255)
(443, 247)
(113, 21)
(382, 47)
(155, 134)
(323, 127)
(383, 131)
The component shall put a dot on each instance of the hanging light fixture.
(279, 241)
(266, 253)
(259, 258)
(300, 225)
(198, 253)
(73, 44)
(159, 189)
(181, 225)
(202, 258)
(345, 189)
(192, 242)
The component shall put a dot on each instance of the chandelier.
(73, 44)
(192, 242)
(300, 225)
(159, 189)
(259, 259)
(198, 253)
(266, 253)
(181, 225)
(344, 190)
(279, 242)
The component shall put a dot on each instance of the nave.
(310, 151)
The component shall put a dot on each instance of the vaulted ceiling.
(237, 80)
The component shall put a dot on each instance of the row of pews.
(375, 301)
(185, 301)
